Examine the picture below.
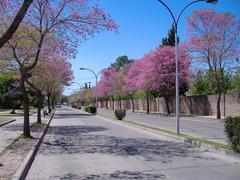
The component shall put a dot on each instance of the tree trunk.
(16, 22)
(106, 104)
(26, 127)
(166, 100)
(133, 108)
(120, 102)
(113, 103)
(13, 107)
(147, 98)
(39, 120)
(224, 105)
(52, 103)
(39, 96)
(219, 105)
(49, 103)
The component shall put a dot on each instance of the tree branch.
(16, 22)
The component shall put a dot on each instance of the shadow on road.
(82, 140)
(74, 131)
(71, 115)
(115, 175)
(13, 127)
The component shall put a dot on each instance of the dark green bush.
(85, 108)
(120, 114)
(74, 106)
(232, 129)
(90, 109)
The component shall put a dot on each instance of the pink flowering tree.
(159, 75)
(131, 79)
(107, 86)
(118, 86)
(215, 39)
(59, 25)
(48, 78)
(155, 74)
(101, 92)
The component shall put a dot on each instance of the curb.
(212, 148)
(22, 171)
(7, 122)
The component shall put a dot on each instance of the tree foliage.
(215, 39)
(50, 25)
(170, 39)
(8, 33)
(122, 62)
(6, 79)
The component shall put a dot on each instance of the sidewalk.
(209, 129)
(10, 132)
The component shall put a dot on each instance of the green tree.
(64, 99)
(10, 94)
(121, 62)
(204, 86)
(236, 82)
(170, 39)
(6, 78)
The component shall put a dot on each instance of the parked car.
(58, 105)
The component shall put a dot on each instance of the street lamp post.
(96, 76)
(80, 86)
(176, 20)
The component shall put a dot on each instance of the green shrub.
(85, 108)
(90, 109)
(74, 106)
(120, 114)
(232, 129)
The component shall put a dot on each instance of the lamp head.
(82, 68)
(212, 1)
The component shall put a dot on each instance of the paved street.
(10, 132)
(81, 146)
(209, 129)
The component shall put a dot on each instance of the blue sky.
(142, 25)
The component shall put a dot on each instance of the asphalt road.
(210, 129)
(81, 146)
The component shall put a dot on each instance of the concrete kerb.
(26, 164)
(5, 123)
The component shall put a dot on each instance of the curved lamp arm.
(177, 20)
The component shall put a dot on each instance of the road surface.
(210, 129)
(81, 146)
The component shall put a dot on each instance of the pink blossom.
(156, 71)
